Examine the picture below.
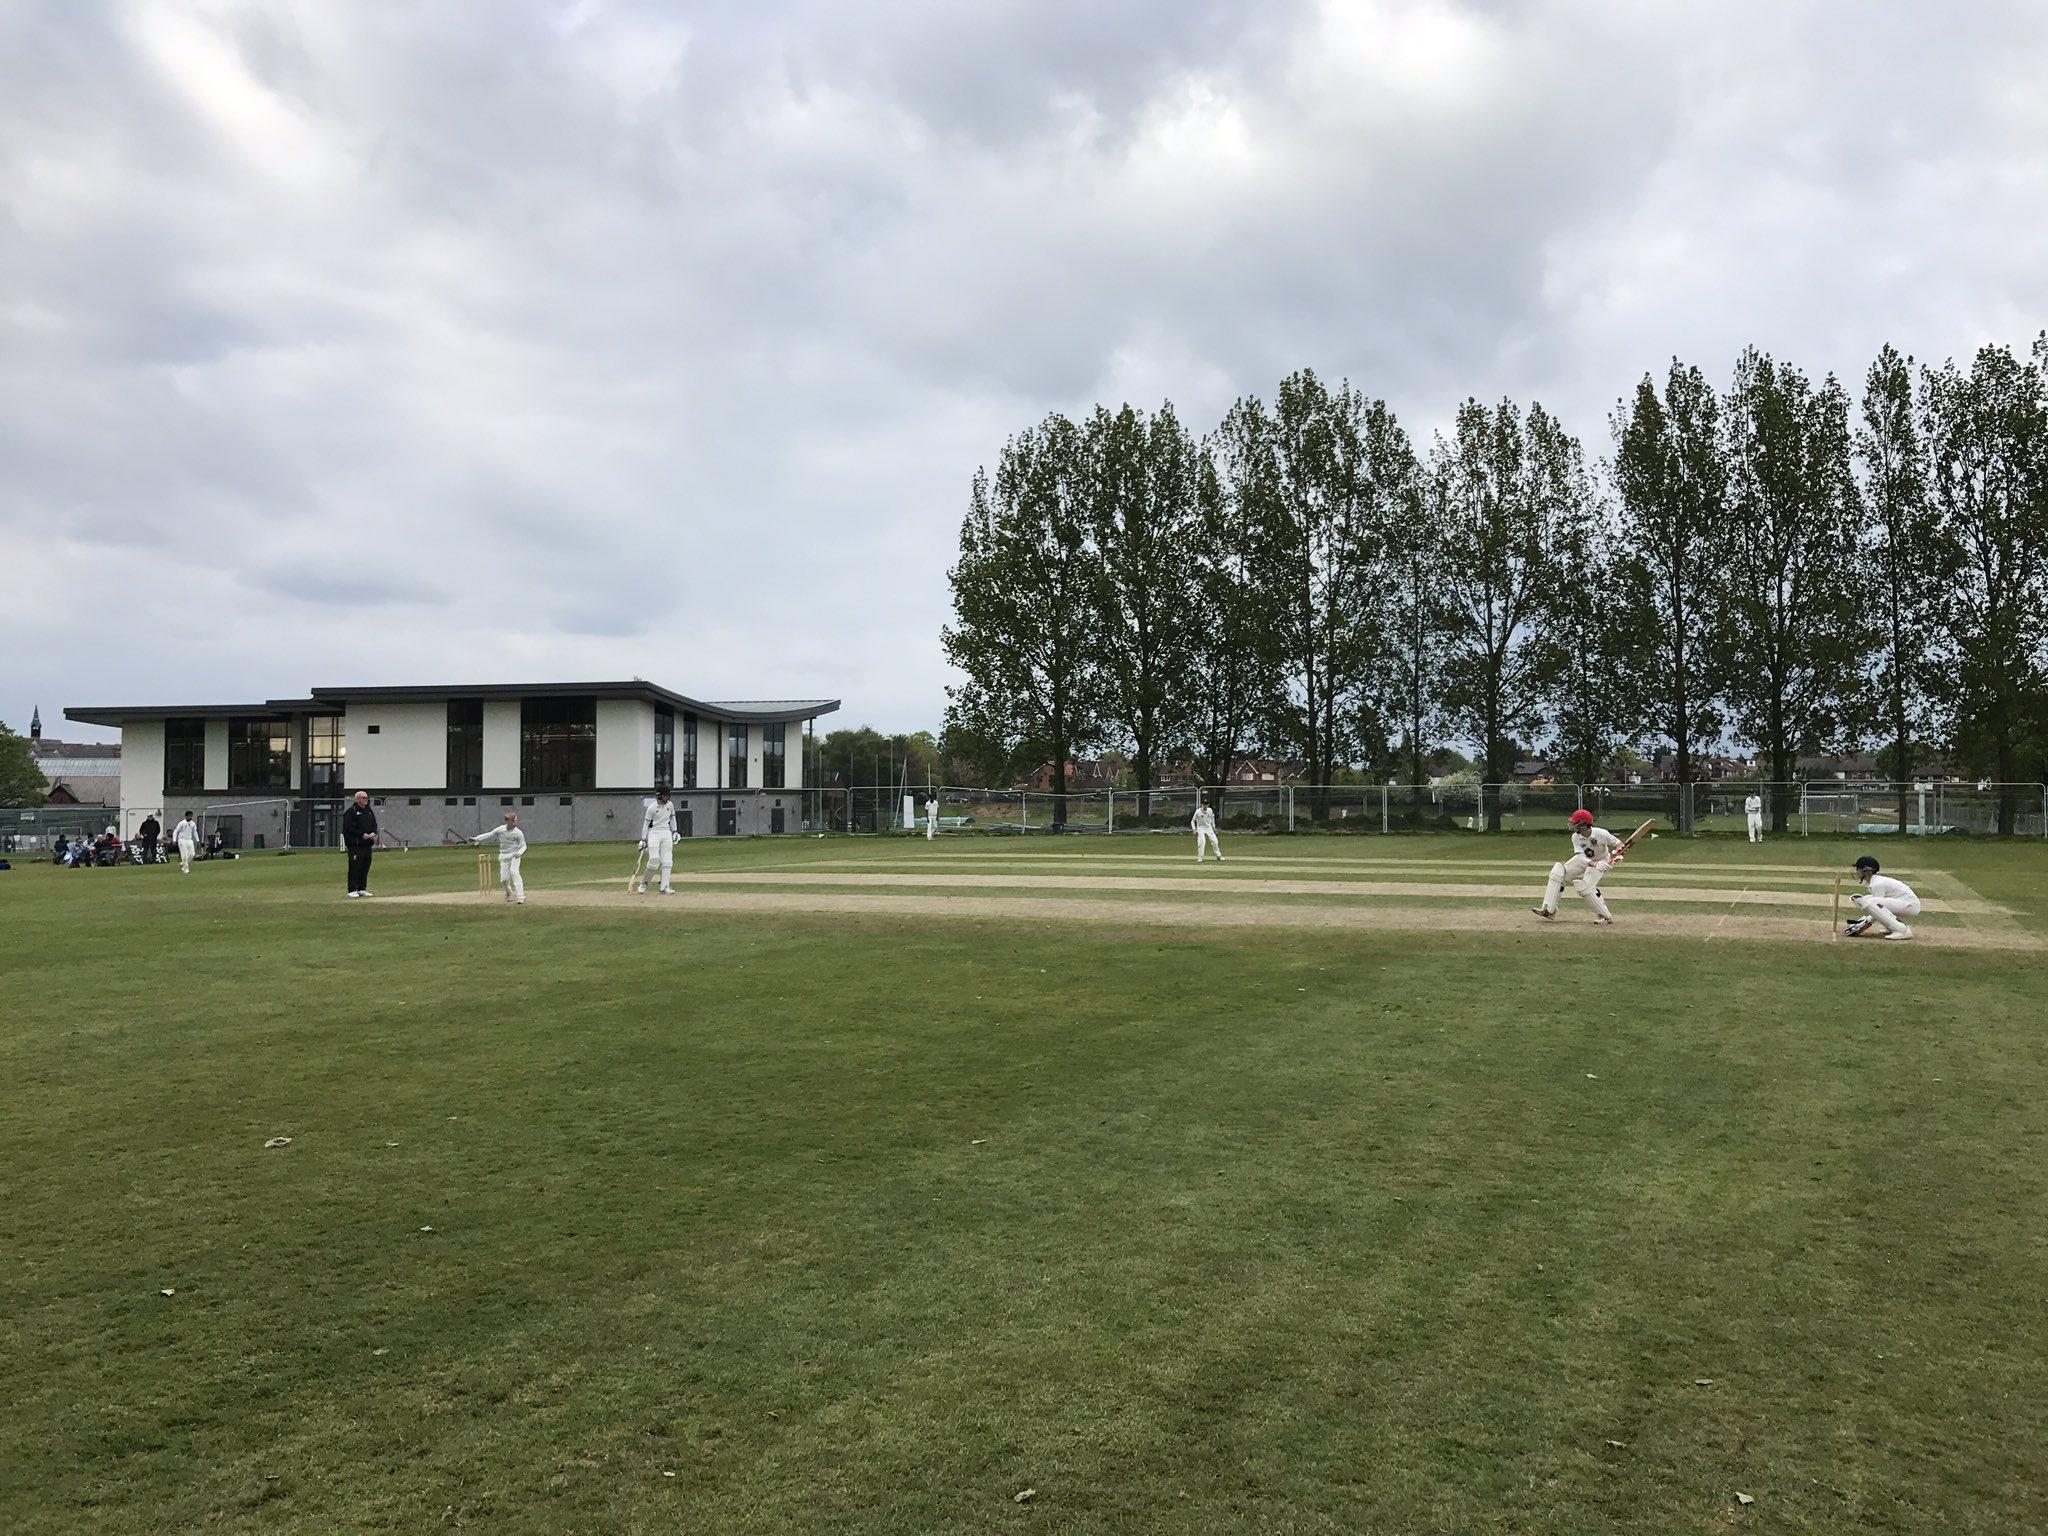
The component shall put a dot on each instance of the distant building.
(576, 760)
(78, 772)
(1083, 774)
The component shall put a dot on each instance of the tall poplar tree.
(1025, 594)
(1145, 482)
(1671, 483)
(1787, 644)
(1987, 458)
(1908, 562)
(1513, 504)
(1234, 680)
(1333, 468)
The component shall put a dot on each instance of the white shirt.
(661, 817)
(511, 841)
(1754, 805)
(1594, 844)
(1204, 820)
(185, 832)
(1885, 888)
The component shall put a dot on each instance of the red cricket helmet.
(1582, 818)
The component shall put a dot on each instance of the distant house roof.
(328, 699)
(86, 789)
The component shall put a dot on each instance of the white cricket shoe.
(352, 895)
(1543, 912)
(366, 893)
(1606, 920)
(668, 890)
(1903, 933)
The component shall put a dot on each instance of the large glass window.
(771, 755)
(184, 754)
(558, 743)
(736, 758)
(465, 743)
(326, 755)
(259, 753)
(688, 779)
(664, 746)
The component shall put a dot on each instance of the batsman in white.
(658, 837)
(931, 818)
(1753, 809)
(1204, 824)
(186, 835)
(1884, 904)
(511, 849)
(1594, 851)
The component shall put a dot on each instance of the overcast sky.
(504, 340)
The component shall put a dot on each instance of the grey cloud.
(641, 339)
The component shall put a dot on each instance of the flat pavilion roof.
(328, 700)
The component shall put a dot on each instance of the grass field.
(1324, 1191)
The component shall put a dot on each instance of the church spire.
(35, 723)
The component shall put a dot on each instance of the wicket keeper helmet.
(1866, 865)
(1582, 818)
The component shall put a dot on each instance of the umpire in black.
(359, 837)
(147, 834)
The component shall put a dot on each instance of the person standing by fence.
(359, 837)
(1753, 812)
(147, 834)
(186, 835)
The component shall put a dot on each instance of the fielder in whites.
(186, 835)
(931, 818)
(658, 837)
(1753, 809)
(511, 849)
(1595, 850)
(1886, 904)
(1204, 824)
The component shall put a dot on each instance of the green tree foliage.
(864, 756)
(1987, 456)
(1414, 623)
(1788, 637)
(1671, 483)
(1026, 590)
(1328, 472)
(1145, 484)
(1233, 681)
(21, 781)
(1514, 507)
(1908, 562)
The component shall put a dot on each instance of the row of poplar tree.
(1771, 563)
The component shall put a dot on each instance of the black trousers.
(149, 850)
(359, 866)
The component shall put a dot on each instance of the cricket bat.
(639, 864)
(1630, 841)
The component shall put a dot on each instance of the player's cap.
(1866, 865)
(661, 791)
(1582, 818)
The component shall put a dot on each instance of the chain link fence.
(1817, 807)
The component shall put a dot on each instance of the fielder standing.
(931, 818)
(511, 849)
(1753, 809)
(1204, 824)
(186, 835)
(1884, 904)
(658, 835)
(1594, 852)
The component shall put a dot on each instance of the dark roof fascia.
(653, 693)
(120, 714)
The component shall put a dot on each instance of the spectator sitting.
(60, 849)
